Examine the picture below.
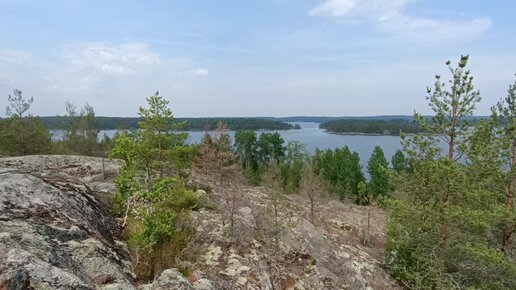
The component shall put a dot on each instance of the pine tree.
(152, 193)
(505, 114)
(88, 131)
(439, 193)
(451, 106)
(157, 134)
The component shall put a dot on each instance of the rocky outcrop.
(55, 230)
(336, 251)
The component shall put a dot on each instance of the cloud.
(119, 60)
(389, 16)
(114, 78)
(197, 72)
(376, 9)
(437, 30)
(336, 8)
(15, 56)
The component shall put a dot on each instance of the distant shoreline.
(364, 134)
(358, 133)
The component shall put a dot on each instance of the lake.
(313, 137)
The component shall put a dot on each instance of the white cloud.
(431, 29)
(389, 16)
(15, 56)
(376, 9)
(118, 60)
(115, 79)
(335, 8)
(197, 72)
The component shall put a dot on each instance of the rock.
(212, 255)
(20, 280)
(201, 193)
(55, 233)
(327, 254)
(201, 282)
(171, 279)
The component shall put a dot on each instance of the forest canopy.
(192, 124)
(383, 127)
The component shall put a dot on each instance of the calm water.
(313, 137)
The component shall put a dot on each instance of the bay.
(313, 138)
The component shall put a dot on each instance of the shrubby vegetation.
(22, 133)
(81, 134)
(152, 196)
(341, 168)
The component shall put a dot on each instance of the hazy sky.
(251, 57)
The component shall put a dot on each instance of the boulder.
(171, 279)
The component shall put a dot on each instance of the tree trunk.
(312, 209)
(507, 231)
(22, 139)
(444, 226)
(450, 149)
(367, 231)
(160, 157)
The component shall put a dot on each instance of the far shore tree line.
(452, 217)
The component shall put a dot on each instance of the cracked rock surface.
(56, 232)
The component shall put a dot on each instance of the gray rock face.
(328, 253)
(55, 232)
(171, 279)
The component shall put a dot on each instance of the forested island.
(371, 126)
(190, 124)
(323, 119)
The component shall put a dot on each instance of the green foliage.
(152, 196)
(21, 133)
(377, 167)
(293, 165)
(191, 124)
(253, 177)
(256, 153)
(362, 197)
(451, 106)
(81, 133)
(399, 162)
(381, 127)
(167, 198)
(270, 148)
(342, 169)
(448, 218)
(247, 149)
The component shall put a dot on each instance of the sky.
(237, 58)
